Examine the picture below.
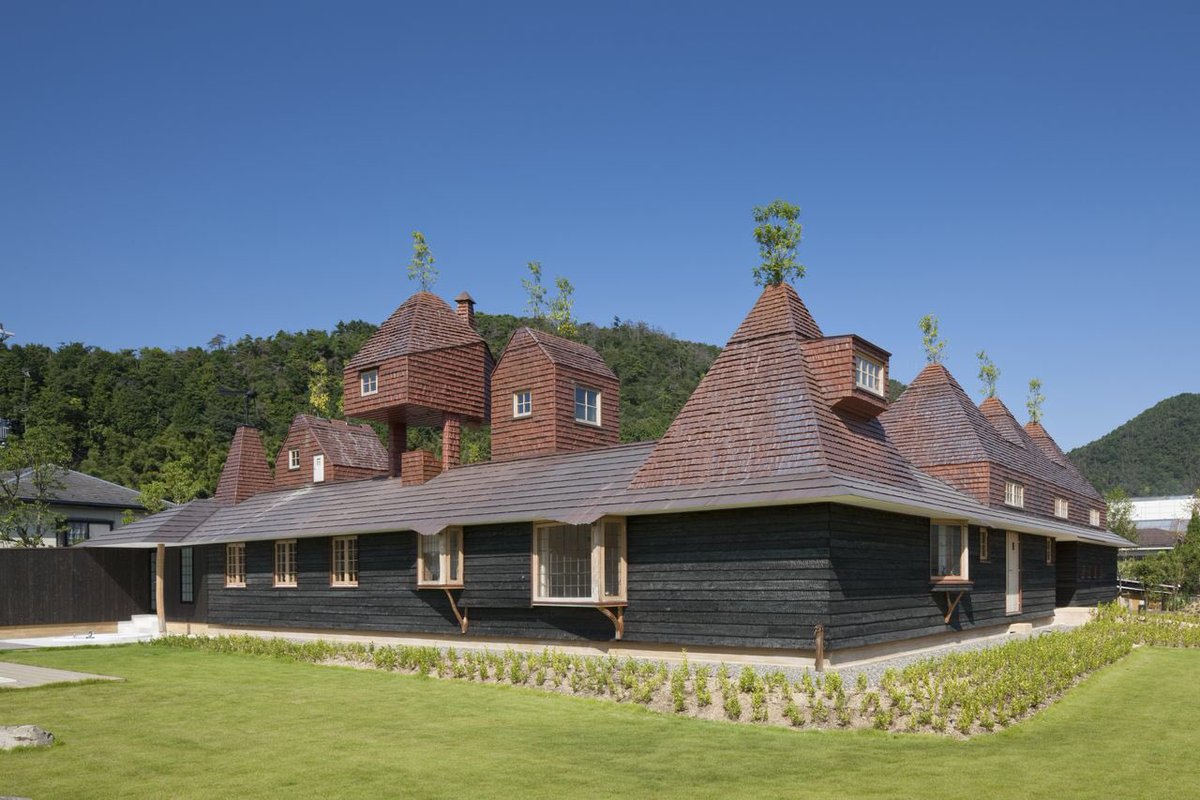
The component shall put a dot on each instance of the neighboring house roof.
(344, 444)
(757, 432)
(246, 471)
(81, 489)
(1157, 538)
(422, 322)
(565, 352)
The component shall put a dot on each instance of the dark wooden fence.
(56, 586)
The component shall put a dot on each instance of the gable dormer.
(552, 395)
(318, 450)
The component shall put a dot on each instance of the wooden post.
(819, 634)
(160, 560)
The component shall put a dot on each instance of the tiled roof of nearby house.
(760, 413)
(566, 352)
(1157, 538)
(934, 423)
(246, 471)
(422, 322)
(78, 488)
(344, 444)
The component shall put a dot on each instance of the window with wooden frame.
(1094, 517)
(187, 576)
(522, 404)
(948, 560)
(293, 459)
(587, 405)
(868, 375)
(285, 562)
(1062, 508)
(1050, 548)
(1014, 494)
(344, 561)
(235, 564)
(580, 564)
(368, 382)
(440, 559)
(985, 550)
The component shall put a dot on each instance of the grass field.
(196, 724)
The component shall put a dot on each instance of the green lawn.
(195, 724)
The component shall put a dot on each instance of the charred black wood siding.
(1087, 574)
(57, 586)
(177, 609)
(881, 591)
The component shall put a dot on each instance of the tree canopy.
(778, 233)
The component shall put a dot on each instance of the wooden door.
(1012, 573)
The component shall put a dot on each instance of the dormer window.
(522, 404)
(1062, 508)
(1014, 494)
(1094, 517)
(293, 459)
(868, 375)
(587, 405)
(369, 381)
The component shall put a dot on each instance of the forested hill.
(126, 414)
(1155, 453)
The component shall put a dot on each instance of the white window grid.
(522, 403)
(868, 375)
(587, 405)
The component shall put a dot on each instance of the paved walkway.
(20, 676)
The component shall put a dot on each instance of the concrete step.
(139, 625)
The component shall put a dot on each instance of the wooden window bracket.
(617, 616)
(953, 604)
(463, 622)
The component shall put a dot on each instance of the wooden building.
(787, 508)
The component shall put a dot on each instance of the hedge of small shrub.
(962, 693)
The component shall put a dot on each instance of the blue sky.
(1028, 172)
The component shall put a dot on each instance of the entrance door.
(1012, 573)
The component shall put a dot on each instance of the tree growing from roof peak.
(558, 313)
(421, 268)
(988, 374)
(931, 339)
(1035, 400)
(778, 234)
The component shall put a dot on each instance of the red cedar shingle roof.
(344, 444)
(422, 322)
(760, 414)
(1046, 444)
(575, 355)
(245, 473)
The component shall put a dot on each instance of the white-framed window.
(522, 404)
(868, 375)
(985, 550)
(293, 459)
(440, 559)
(187, 576)
(948, 559)
(587, 405)
(1050, 551)
(318, 468)
(574, 564)
(1062, 508)
(368, 381)
(235, 564)
(1014, 494)
(1094, 517)
(344, 561)
(285, 562)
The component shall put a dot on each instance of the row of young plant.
(964, 693)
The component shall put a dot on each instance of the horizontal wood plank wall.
(743, 578)
(50, 586)
(1075, 559)
(880, 590)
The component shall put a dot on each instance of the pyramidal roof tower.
(246, 472)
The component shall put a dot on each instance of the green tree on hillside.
(1120, 514)
(31, 468)
(778, 233)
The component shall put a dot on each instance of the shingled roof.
(79, 488)
(761, 413)
(246, 472)
(566, 352)
(345, 444)
(422, 322)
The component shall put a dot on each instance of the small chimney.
(245, 473)
(451, 442)
(466, 308)
(419, 466)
